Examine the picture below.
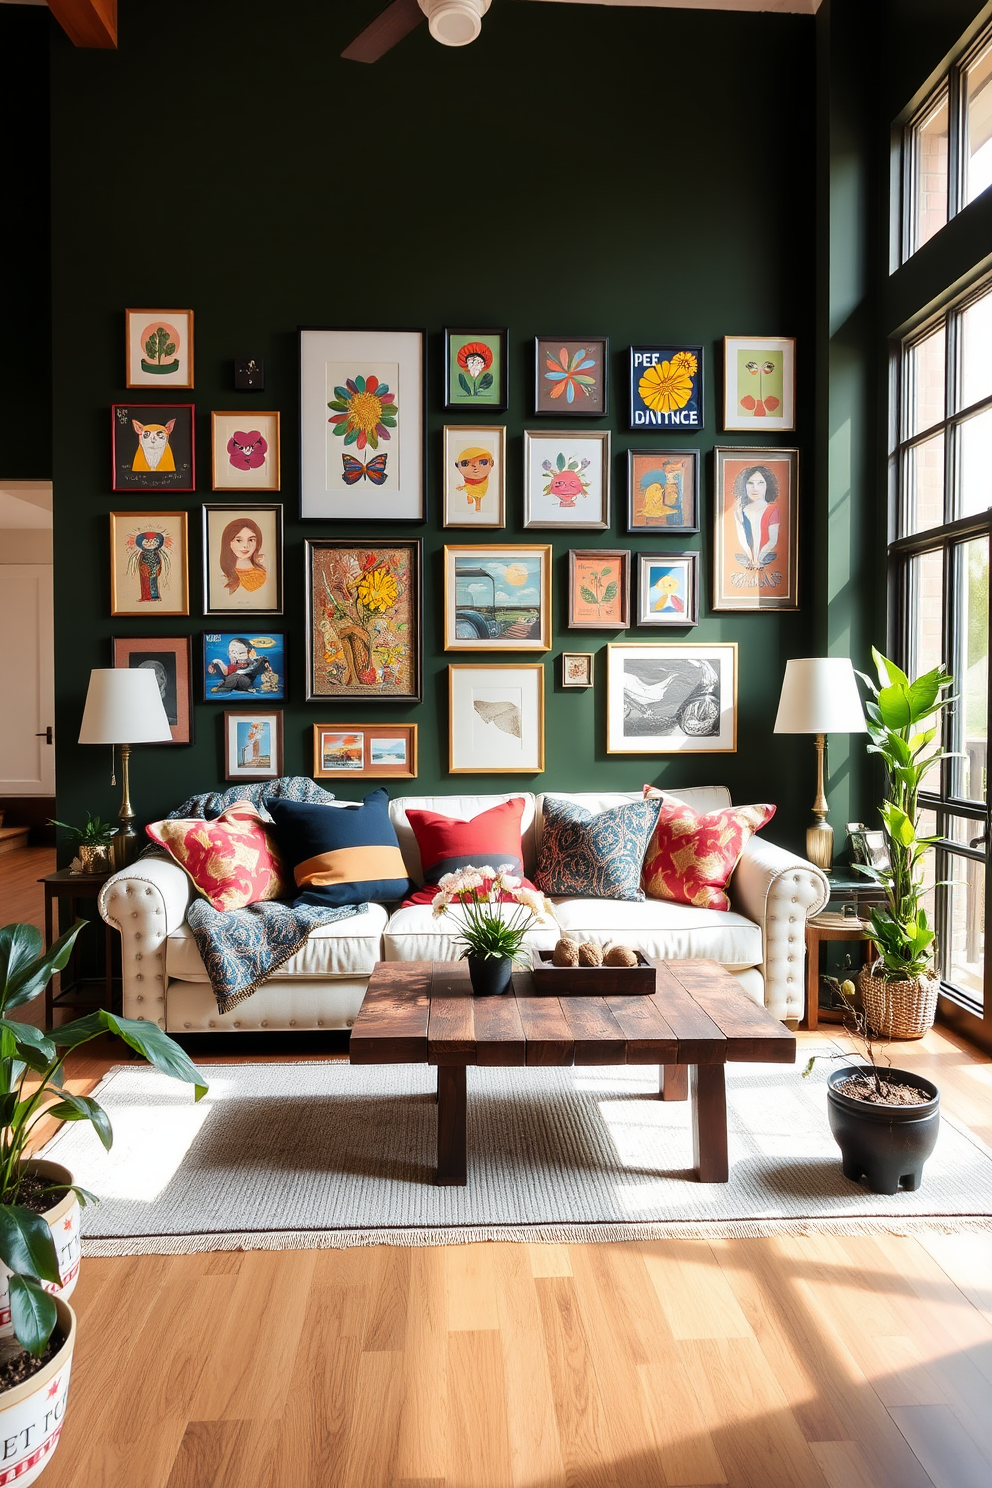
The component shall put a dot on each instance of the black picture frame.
(688, 419)
(581, 406)
(640, 463)
(473, 333)
(217, 645)
(176, 468)
(343, 619)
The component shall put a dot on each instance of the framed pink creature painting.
(245, 451)
(242, 559)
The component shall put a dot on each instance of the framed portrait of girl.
(756, 529)
(242, 560)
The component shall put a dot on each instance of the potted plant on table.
(489, 941)
(92, 842)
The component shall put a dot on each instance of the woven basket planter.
(899, 1010)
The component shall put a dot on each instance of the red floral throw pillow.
(692, 854)
(447, 844)
(232, 860)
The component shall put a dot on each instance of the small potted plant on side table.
(92, 843)
(490, 943)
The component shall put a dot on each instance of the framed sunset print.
(495, 719)
(497, 598)
(666, 388)
(149, 563)
(671, 698)
(598, 588)
(475, 371)
(158, 349)
(567, 478)
(668, 589)
(244, 666)
(474, 475)
(242, 559)
(245, 451)
(759, 383)
(170, 658)
(663, 491)
(152, 447)
(364, 751)
(571, 376)
(253, 745)
(363, 619)
(755, 529)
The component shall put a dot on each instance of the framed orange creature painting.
(756, 529)
(663, 491)
(474, 475)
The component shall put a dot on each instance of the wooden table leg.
(709, 1123)
(49, 895)
(811, 1019)
(451, 1125)
(674, 1085)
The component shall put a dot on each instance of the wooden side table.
(856, 932)
(74, 887)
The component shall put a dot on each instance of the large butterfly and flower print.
(363, 411)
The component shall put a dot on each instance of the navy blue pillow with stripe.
(341, 854)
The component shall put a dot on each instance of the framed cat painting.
(152, 447)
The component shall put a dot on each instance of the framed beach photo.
(577, 668)
(567, 479)
(495, 719)
(755, 529)
(475, 371)
(363, 425)
(253, 745)
(498, 598)
(245, 451)
(244, 666)
(474, 475)
(759, 383)
(598, 588)
(365, 751)
(363, 619)
(666, 388)
(671, 698)
(242, 559)
(663, 491)
(152, 447)
(149, 563)
(170, 658)
(571, 376)
(158, 349)
(668, 589)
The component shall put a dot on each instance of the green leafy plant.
(96, 833)
(159, 345)
(31, 1088)
(479, 893)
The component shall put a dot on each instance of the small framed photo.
(571, 376)
(242, 560)
(576, 668)
(474, 475)
(868, 848)
(663, 491)
(363, 619)
(667, 589)
(756, 529)
(666, 388)
(475, 370)
(598, 588)
(244, 668)
(158, 349)
(253, 745)
(671, 698)
(245, 451)
(152, 447)
(498, 598)
(170, 658)
(367, 751)
(759, 383)
(149, 563)
(496, 719)
(567, 479)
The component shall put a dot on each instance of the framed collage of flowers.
(571, 377)
(363, 619)
(666, 388)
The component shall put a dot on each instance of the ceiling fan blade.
(390, 26)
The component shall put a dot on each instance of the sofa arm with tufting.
(145, 902)
(779, 891)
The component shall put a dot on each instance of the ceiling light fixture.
(454, 22)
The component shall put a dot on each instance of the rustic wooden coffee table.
(698, 1020)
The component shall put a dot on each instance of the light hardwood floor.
(826, 1362)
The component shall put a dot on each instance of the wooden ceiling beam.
(87, 23)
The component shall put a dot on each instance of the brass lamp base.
(820, 845)
(125, 838)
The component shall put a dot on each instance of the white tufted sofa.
(761, 940)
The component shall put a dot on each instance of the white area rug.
(284, 1156)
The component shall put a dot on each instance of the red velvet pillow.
(492, 837)
(692, 854)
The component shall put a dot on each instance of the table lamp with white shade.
(820, 696)
(124, 707)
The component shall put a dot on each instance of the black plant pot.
(490, 974)
(885, 1145)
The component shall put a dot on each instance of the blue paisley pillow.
(595, 857)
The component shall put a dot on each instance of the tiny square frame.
(578, 669)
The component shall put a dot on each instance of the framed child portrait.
(667, 589)
(475, 371)
(244, 667)
(158, 349)
(598, 588)
(253, 745)
(170, 658)
(242, 560)
(474, 475)
(496, 719)
(149, 564)
(567, 479)
(364, 751)
(245, 451)
(663, 491)
(497, 598)
(152, 447)
(756, 529)
(759, 383)
(571, 376)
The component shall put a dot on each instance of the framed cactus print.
(475, 371)
(666, 388)
(363, 619)
(571, 376)
(759, 383)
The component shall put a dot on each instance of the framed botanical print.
(667, 589)
(759, 383)
(755, 529)
(242, 559)
(598, 588)
(498, 598)
(152, 447)
(577, 668)
(475, 371)
(158, 349)
(571, 376)
(363, 425)
(245, 451)
(496, 719)
(567, 479)
(253, 744)
(474, 475)
(170, 658)
(363, 619)
(364, 751)
(244, 667)
(149, 563)
(663, 490)
(666, 388)
(671, 698)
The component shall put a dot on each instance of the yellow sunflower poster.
(666, 387)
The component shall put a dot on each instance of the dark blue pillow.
(341, 854)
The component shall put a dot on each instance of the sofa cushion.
(449, 843)
(699, 797)
(345, 948)
(462, 808)
(232, 860)
(672, 932)
(341, 855)
(692, 854)
(415, 933)
(602, 854)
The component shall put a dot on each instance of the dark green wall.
(644, 173)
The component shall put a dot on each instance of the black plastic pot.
(884, 1145)
(490, 974)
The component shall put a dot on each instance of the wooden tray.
(591, 981)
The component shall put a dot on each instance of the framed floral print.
(496, 719)
(498, 598)
(149, 563)
(671, 698)
(365, 751)
(363, 619)
(243, 667)
(363, 425)
(667, 589)
(253, 745)
(171, 659)
(245, 451)
(577, 668)
(152, 447)
(598, 588)
(475, 371)
(474, 475)
(158, 349)
(756, 529)
(666, 388)
(759, 383)
(242, 559)
(663, 491)
(571, 376)
(567, 479)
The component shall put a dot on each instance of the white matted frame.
(759, 383)
(577, 668)
(671, 698)
(253, 744)
(474, 475)
(497, 598)
(567, 478)
(495, 719)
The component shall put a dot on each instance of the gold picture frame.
(149, 578)
(497, 597)
(169, 368)
(495, 718)
(248, 466)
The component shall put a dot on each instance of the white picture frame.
(495, 719)
(474, 481)
(567, 479)
(671, 697)
(747, 394)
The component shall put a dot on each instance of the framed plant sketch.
(253, 745)
(363, 619)
(577, 668)
(245, 451)
(365, 751)
(149, 563)
(475, 370)
(498, 598)
(158, 348)
(244, 667)
(671, 698)
(666, 387)
(663, 490)
(496, 719)
(567, 479)
(474, 475)
(667, 589)
(242, 559)
(152, 447)
(598, 588)
(759, 383)
(362, 425)
(571, 376)
(170, 658)
(755, 529)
